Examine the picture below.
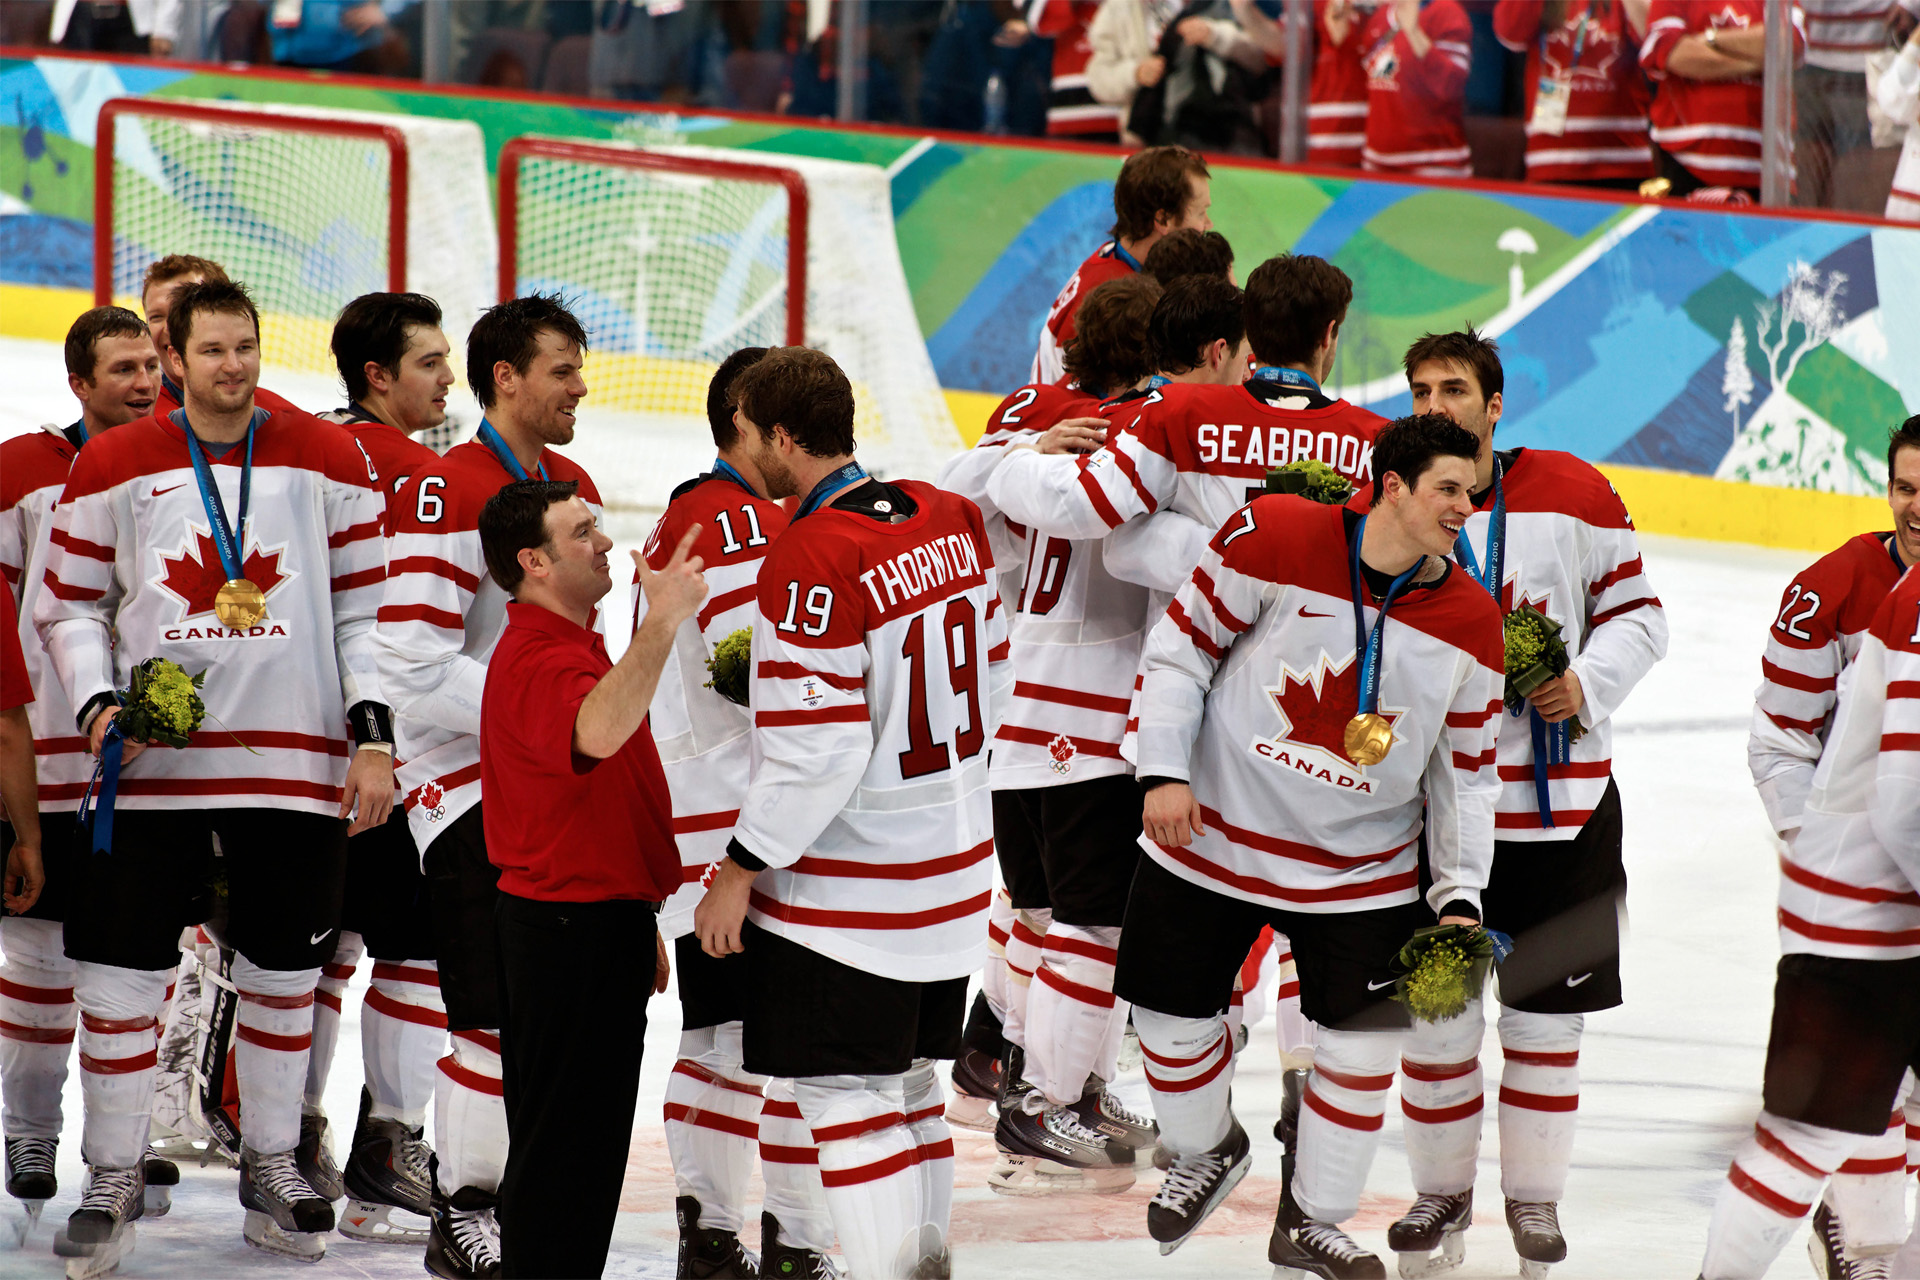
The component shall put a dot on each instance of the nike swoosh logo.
(1574, 982)
(314, 941)
(1305, 614)
(1375, 986)
(158, 492)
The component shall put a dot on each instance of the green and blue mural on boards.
(1747, 347)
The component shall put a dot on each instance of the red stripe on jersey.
(1849, 937)
(271, 739)
(1773, 1145)
(1204, 581)
(1794, 680)
(1572, 769)
(279, 1044)
(1444, 1115)
(1529, 1058)
(1359, 1084)
(1766, 1196)
(1298, 852)
(60, 746)
(1074, 990)
(1473, 719)
(1903, 689)
(229, 787)
(999, 652)
(794, 671)
(380, 1002)
(693, 1070)
(727, 600)
(1345, 1119)
(810, 865)
(1787, 722)
(1900, 742)
(1473, 764)
(1608, 615)
(1169, 1060)
(438, 568)
(1082, 947)
(1432, 1072)
(1840, 889)
(11, 572)
(354, 533)
(1098, 497)
(1044, 737)
(35, 995)
(35, 1035)
(824, 715)
(81, 547)
(1631, 568)
(1070, 697)
(1132, 473)
(1253, 884)
(718, 1121)
(386, 970)
(1178, 613)
(442, 618)
(689, 823)
(470, 1079)
(868, 919)
(62, 591)
(1510, 1097)
(1531, 821)
(120, 1066)
(1224, 1055)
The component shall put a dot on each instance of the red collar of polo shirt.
(540, 618)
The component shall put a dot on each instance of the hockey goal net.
(308, 208)
(674, 257)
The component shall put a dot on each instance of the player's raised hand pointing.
(675, 592)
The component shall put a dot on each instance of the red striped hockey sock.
(867, 1166)
(272, 1039)
(1024, 943)
(329, 995)
(790, 1168)
(37, 1017)
(713, 1117)
(1443, 1096)
(1074, 1024)
(1770, 1187)
(403, 1033)
(1869, 1192)
(1341, 1114)
(932, 1153)
(470, 1114)
(1539, 1102)
(119, 1039)
(1189, 1068)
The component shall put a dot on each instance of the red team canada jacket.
(879, 665)
(1249, 681)
(1710, 126)
(132, 573)
(702, 737)
(1415, 106)
(1605, 133)
(440, 617)
(1819, 630)
(1850, 880)
(1337, 95)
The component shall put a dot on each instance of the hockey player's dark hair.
(514, 519)
(804, 391)
(1467, 349)
(83, 339)
(1291, 299)
(1193, 314)
(510, 331)
(1108, 351)
(207, 297)
(1905, 436)
(1186, 252)
(377, 328)
(1407, 447)
(720, 394)
(178, 266)
(1153, 181)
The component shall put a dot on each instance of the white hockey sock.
(1869, 1192)
(1294, 1030)
(1443, 1095)
(1189, 1069)
(470, 1114)
(328, 994)
(403, 1034)
(993, 979)
(1770, 1186)
(37, 1017)
(1539, 1102)
(273, 1036)
(713, 1121)
(866, 1166)
(1074, 1024)
(1341, 1113)
(119, 1036)
(1024, 942)
(932, 1154)
(790, 1168)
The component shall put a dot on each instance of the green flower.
(1310, 478)
(1443, 968)
(730, 666)
(162, 704)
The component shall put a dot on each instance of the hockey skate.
(976, 1086)
(1536, 1236)
(284, 1215)
(1324, 1250)
(314, 1158)
(709, 1252)
(30, 1184)
(389, 1171)
(790, 1262)
(99, 1234)
(1051, 1151)
(1431, 1237)
(1827, 1249)
(465, 1240)
(1195, 1186)
(1103, 1113)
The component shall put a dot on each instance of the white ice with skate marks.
(1670, 1084)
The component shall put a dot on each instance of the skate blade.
(1032, 1176)
(972, 1113)
(1218, 1198)
(1418, 1266)
(87, 1261)
(373, 1224)
(262, 1232)
(1530, 1270)
(158, 1201)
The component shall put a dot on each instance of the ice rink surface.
(1670, 1082)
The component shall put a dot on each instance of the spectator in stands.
(1073, 113)
(1830, 90)
(1586, 99)
(1188, 81)
(1337, 94)
(1899, 97)
(973, 43)
(1417, 57)
(1186, 252)
(120, 26)
(342, 35)
(1706, 62)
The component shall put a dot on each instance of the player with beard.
(439, 619)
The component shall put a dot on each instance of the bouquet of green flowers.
(1310, 478)
(162, 705)
(730, 666)
(1442, 969)
(1535, 654)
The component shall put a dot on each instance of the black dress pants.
(575, 978)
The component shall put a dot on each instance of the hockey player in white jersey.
(266, 561)
(1548, 531)
(1317, 710)
(858, 876)
(719, 1116)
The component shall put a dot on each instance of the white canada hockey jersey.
(1248, 684)
(33, 474)
(1570, 553)
(879, 665)
(1850, 879)
(1823, 620)
(703, 738)
(440, 617)
(132, 575)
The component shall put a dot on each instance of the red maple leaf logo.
(1315, 707)
(1061, 748)
(428, 795)
(197, 575)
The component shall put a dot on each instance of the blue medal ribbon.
(1120, 252)
(724, 469)
(98, 821)
(828, 487)
(491, 438)
(1292, 379)
(228, 539)
(1158, 381)
(1370, 644)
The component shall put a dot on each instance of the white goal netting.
(301, 216)
(672, 271)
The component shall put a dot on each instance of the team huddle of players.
(1190, 723)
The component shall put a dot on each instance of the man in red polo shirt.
(578, 820)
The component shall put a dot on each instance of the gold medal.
(1368, 739)
(239, 604)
